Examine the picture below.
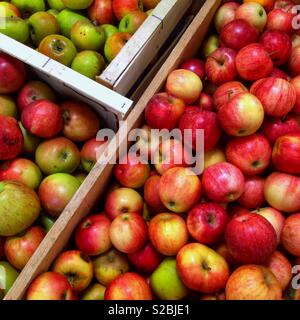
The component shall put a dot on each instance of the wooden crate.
(95, 184)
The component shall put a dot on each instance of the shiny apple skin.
(290, 236)
(253, 195)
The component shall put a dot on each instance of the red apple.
(220, 66)
(226, 92)
(43, 118)
(252, 282)
(286, 154)
(201, 268)
(253, 195)
(146, 260)
(225, 14)
(290, 236)
(163, 111)
(12, 74)
(223, 251)
(223, 182)
(179, 189)
(206, 102)
(237, 34)
(282, 192)
(251, 154)
(277, 73)
(278, 44)
(206, 222)
(151, 194)
(235, 210)
(205, 120)
(20, 248)
(122, 7)
(128, 232)
(294, 62)
(242, 115)
(281, 20)
(123, 200)
(250, 238)
(128, 286)
(253, 62)
(277, 96)
(168, 233)
(50, 286)
(274, 128)
(184, 84)
(92, 235)
(285, 5)
(101, 12)
(195, 65)
(295, 82)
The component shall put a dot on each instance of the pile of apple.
(47, 146)
(78, 34)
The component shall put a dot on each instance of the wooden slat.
(96, 182)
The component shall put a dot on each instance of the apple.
(201, 268)
(281, 268)
(254, 14)
(179, 189)
(220, 66)
(77, 5)
(214, 156)
(92, 235)
(147, 142)
(81, 123)
(285, 5)
(281, 20)
(46, 221)
(128, 286)
(294, 62)
(123, 200)
(8, 276)
(109, 265)
(89, 153)
(20, 248)
(278, 73)
(205, 120)
(251, 154)
(242, 116)
(252, 282)
(223, 182)
(151, 194)
(253, 195)
(30, 142)
(163, 111)
(50, 286)
(253, 62)
(274, 128)
(211, 44)
(80, 176)
(32, 91)
(290, 234)
(206, 222)
(295, 82)
(215, 296)
(12, 74)
(168, 233)
(28, 7)
(8, 106)
(278, 44)
(195, 65)
(150, 4)
(42, 24)
(9, 10)
(250, 238)
(237, 34)
(114, 44)
(56, 5)
(43, 118)
(166, 283)
(275, 217)
(146, 260)
(222, 249)
(277, 96)
(132, 21)
(295, 40)
(184, 84)
(66, 19)
(15, 28)
(58, 155)
(77, 267)
(11, 138)
(22, 170)
(101, 12)
(206, 102)
(122, 7)
(56, 191)
(225, 14)
(94, 292)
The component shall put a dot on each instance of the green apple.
(132, 21)
(42, 24)
(8, 10)
(66, 19)
(46, 221)
(31, 142)
(80, 176)
(8, 106)
(114, 44)
(109, 30)
(94, 292)
(54, 12)
(28, 7)
(78, 4)
(86, 36)
(8, 276)
(89, 63)
(15, 28)
(166, 283)
(210, 45)
(56, 5)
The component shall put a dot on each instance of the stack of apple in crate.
(47, 146)
(232, 232)
(84, 35)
